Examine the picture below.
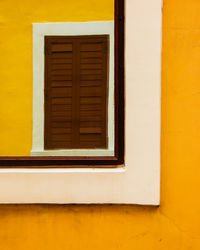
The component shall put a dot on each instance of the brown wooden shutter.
(75, 92)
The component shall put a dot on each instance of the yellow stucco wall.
(175, 225)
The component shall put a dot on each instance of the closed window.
(76, 86)
(78, 92)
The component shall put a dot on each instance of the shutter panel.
(93, 87)
(75, 92)
(58, 93)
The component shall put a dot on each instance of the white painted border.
(139, 181)
(67, 29)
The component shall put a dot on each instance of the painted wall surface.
(175, 224)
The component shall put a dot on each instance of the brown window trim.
(118, 158)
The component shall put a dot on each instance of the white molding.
(67, 29)
(139, 181)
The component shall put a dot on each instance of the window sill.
(91, 152)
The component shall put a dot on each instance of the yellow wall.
(176, 224)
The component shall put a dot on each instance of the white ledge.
(64, 170)
(77, 152)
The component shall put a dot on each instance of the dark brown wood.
(58, 93)
(47, 96)
(53, 161)
(75, 99)
(119, 80)
(65, 58)
(94, 86)
(78, 81)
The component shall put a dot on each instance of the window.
(101, 147)
(138, 182)
(81, 137)
(76, 73)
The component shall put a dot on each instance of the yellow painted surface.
(175, 225)
(16, 18)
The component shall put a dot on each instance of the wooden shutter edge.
(57, 161)
(46, 94)
(119, 81)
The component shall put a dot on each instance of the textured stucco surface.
(175, 224)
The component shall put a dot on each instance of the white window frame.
(40, 30)
(138, 182)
